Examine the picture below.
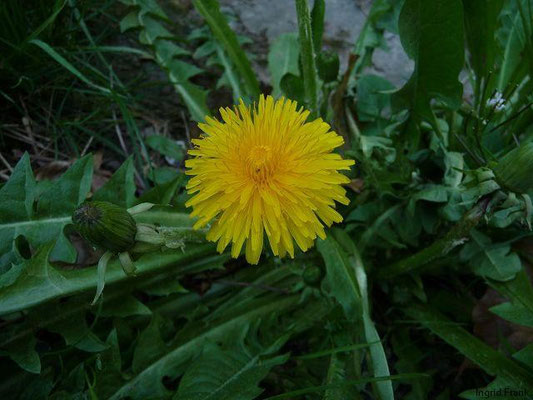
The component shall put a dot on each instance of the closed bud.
(105, 225)
(515, 170)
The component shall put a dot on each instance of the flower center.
(259, 163)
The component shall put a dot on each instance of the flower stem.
(308, 54)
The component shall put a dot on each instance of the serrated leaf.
(59, 201)
(130, 21)
(148, 382)
(239, 370)
(153, 34)
(153, 30)
(120, 188)
(432, 35)
(166, 146)
(167, 50)
(23, 353)
(210, 10)
(76, 333)
(371, 144)
(371, 99)
(124, 306)
(518, 290)
(495, 261)
(194, 96)
(182, 71)
(454, 163)
(283, 59)
(206, 49)
(230, 76)
(17, 194)
(149, 7)
(40, 282)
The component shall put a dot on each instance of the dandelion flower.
(264, 169)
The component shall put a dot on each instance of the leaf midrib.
(183, 347)
(58, 220)
(250, 364)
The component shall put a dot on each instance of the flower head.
(497, 101)
(266, 170)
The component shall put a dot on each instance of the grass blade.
(491, 361)
(68, 66)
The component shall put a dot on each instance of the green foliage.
(166, 146)
(283, 59)
(340, 277)
(327, 65)
(435, 243)
(481, 24)
(120, 189)
(209, 9)
(432, 35)
(490, 260)
(15, 36)
(216, 56)
(508, 371)
(373, 97)
(243, 365)
(39, 213)
(147, 17)
(309, 71)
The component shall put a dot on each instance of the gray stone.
(264, 20)
(392, 63)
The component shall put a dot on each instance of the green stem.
(455, 237)
(307, 54)
(317, 23)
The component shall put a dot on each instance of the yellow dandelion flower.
(266, 170)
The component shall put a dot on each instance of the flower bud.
(105, 225)
(514, 171)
